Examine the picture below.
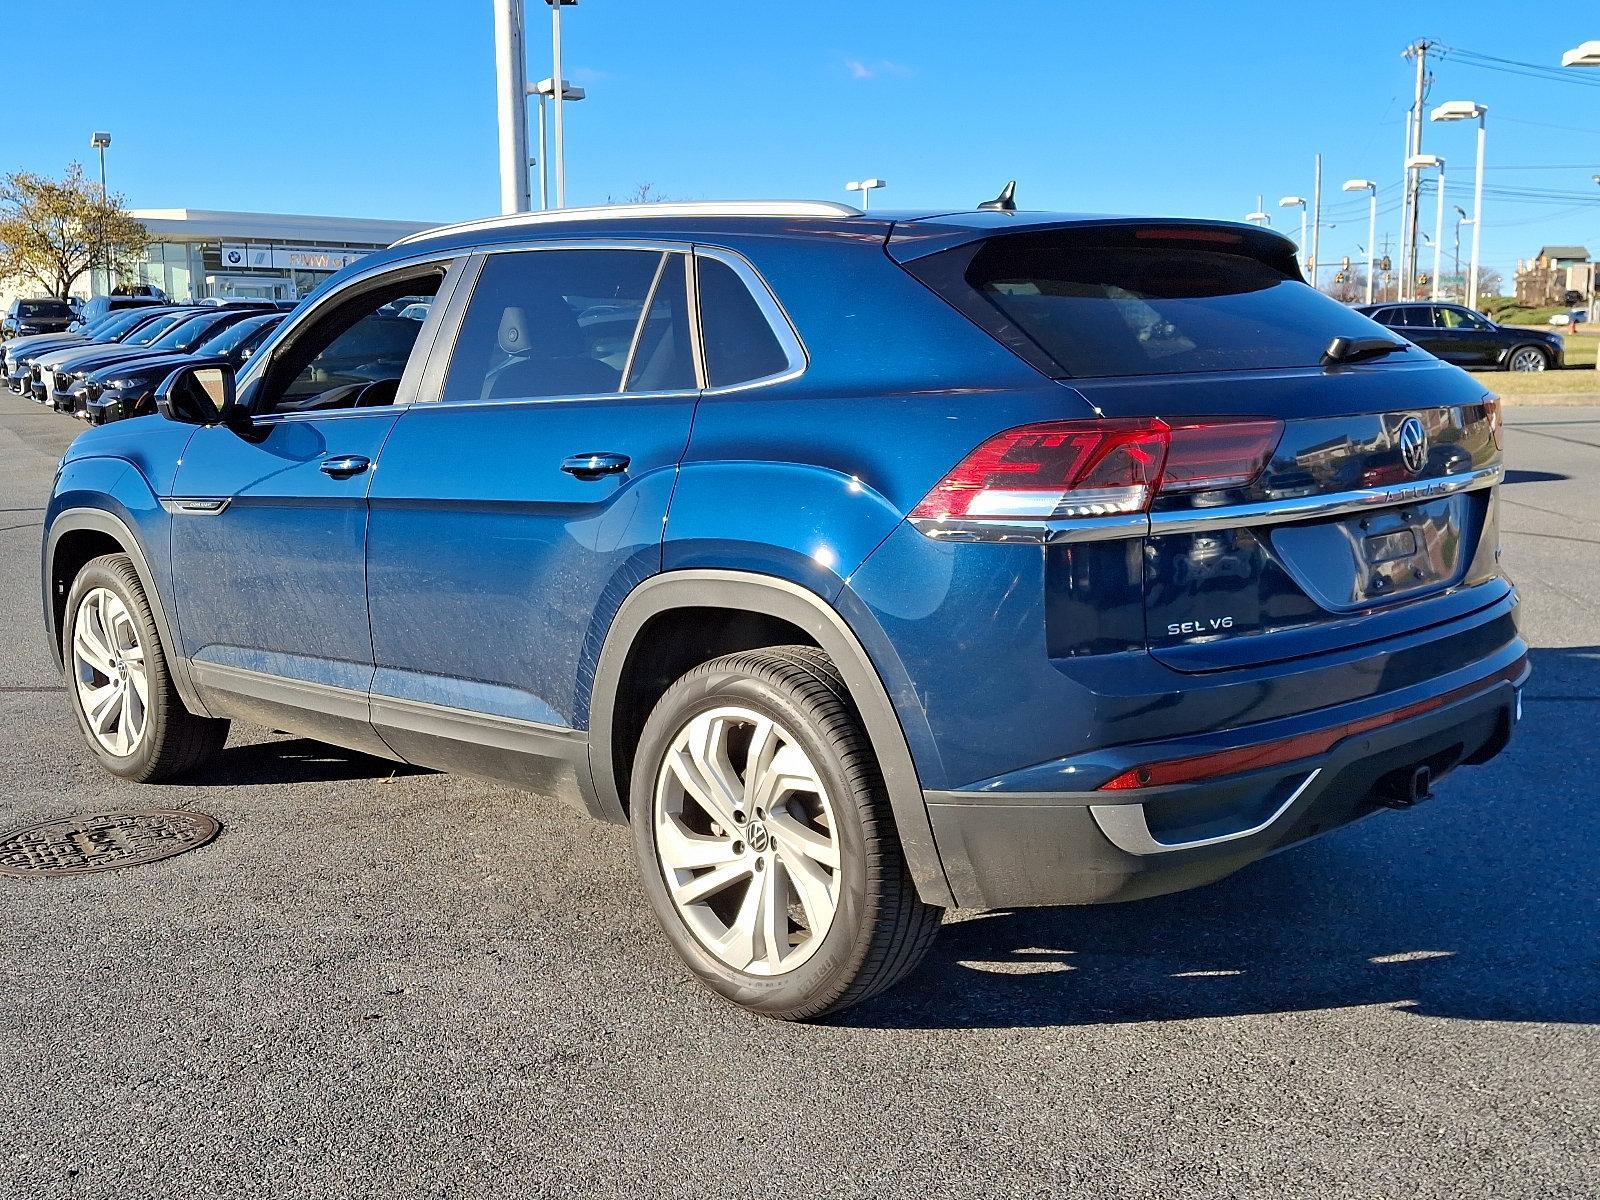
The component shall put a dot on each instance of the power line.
(1512, 66)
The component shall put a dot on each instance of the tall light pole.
(1367, 185)
(1426, 162)
(1467, 110)
(1300, 203)
(100, 139)
(1586, 54)
(1260, 216)
(511, 97)
(544, 89)
(561, 137)
(1316, 222)
(864, 186)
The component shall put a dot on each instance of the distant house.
(1551, 276)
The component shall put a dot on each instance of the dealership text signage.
(246, 256)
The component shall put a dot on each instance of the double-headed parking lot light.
(1300, 203)
(1432, 162)
(1367, 185)
(864, 186)
(1467, 110)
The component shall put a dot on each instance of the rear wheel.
(119, 684)
(765, 840)
(1528, 358)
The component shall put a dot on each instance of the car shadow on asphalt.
(1480, 904)
(296, 760)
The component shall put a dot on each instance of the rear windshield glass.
(1109, 305)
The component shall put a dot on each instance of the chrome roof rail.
(671, 208)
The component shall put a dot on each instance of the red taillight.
(1062, 469)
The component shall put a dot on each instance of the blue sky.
(386, 107)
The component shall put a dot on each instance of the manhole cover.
(79, 845)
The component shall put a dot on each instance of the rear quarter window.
(740, 344)
(1113, 302)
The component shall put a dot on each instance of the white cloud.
(860, 68)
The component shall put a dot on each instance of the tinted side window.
(1385, 316)
(661, 360)
(739, 343)
(550, 323)
(1416, 316)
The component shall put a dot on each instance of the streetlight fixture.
(1260, 216)
(864, 186)
(100, 139)
(1300, 203)
(1432, 162)
(1367, 185)
(544, 89)
(561, 143)
(1585, 55)
(1467, 110)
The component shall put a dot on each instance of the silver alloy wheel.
(746, 840)
(1528, 359)
(109, 668)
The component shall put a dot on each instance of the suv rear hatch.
(1356, 501)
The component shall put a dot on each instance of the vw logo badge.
(1413, 445)
(759, 838)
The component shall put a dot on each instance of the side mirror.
(202, 396)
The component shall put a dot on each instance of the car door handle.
(345, 466)
(593, 466)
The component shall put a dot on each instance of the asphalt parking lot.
(411, 984)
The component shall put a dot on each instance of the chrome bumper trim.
(1126, 828)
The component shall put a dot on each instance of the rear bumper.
(1086, 847)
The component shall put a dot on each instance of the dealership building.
(195, 253)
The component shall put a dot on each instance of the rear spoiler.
(912, 240)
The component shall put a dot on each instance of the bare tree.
(644, 193)
(53, 231)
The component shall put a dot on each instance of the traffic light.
(1338, 276)
(1345, 262)
(1383, 263)
(1422, 279)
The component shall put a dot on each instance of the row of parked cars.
(106, 364)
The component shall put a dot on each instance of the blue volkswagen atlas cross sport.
(867, 565)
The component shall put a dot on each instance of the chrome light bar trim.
(1310, 508)
(1204, 520)
(617, 212)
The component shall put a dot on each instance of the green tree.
(53, 231)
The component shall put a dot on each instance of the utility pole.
(1316, 222)
(1418, 50)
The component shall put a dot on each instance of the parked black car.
(127, 389)
(1458, 335)
(38, 315)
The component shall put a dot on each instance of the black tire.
(175, 741)
(881, 928)
(1549, 361)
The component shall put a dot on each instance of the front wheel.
(765, 839)
(1528, 358)
(120, 685)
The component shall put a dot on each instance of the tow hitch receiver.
(1402, 790)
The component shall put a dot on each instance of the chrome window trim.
(772, 309)
(1233, 516)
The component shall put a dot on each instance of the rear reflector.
(1287, 750)
(1075, 469)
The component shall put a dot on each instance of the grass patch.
(1512, 384)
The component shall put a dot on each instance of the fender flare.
(100, 521)
(750, 592)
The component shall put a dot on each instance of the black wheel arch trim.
(98, 520)
(741, 591)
